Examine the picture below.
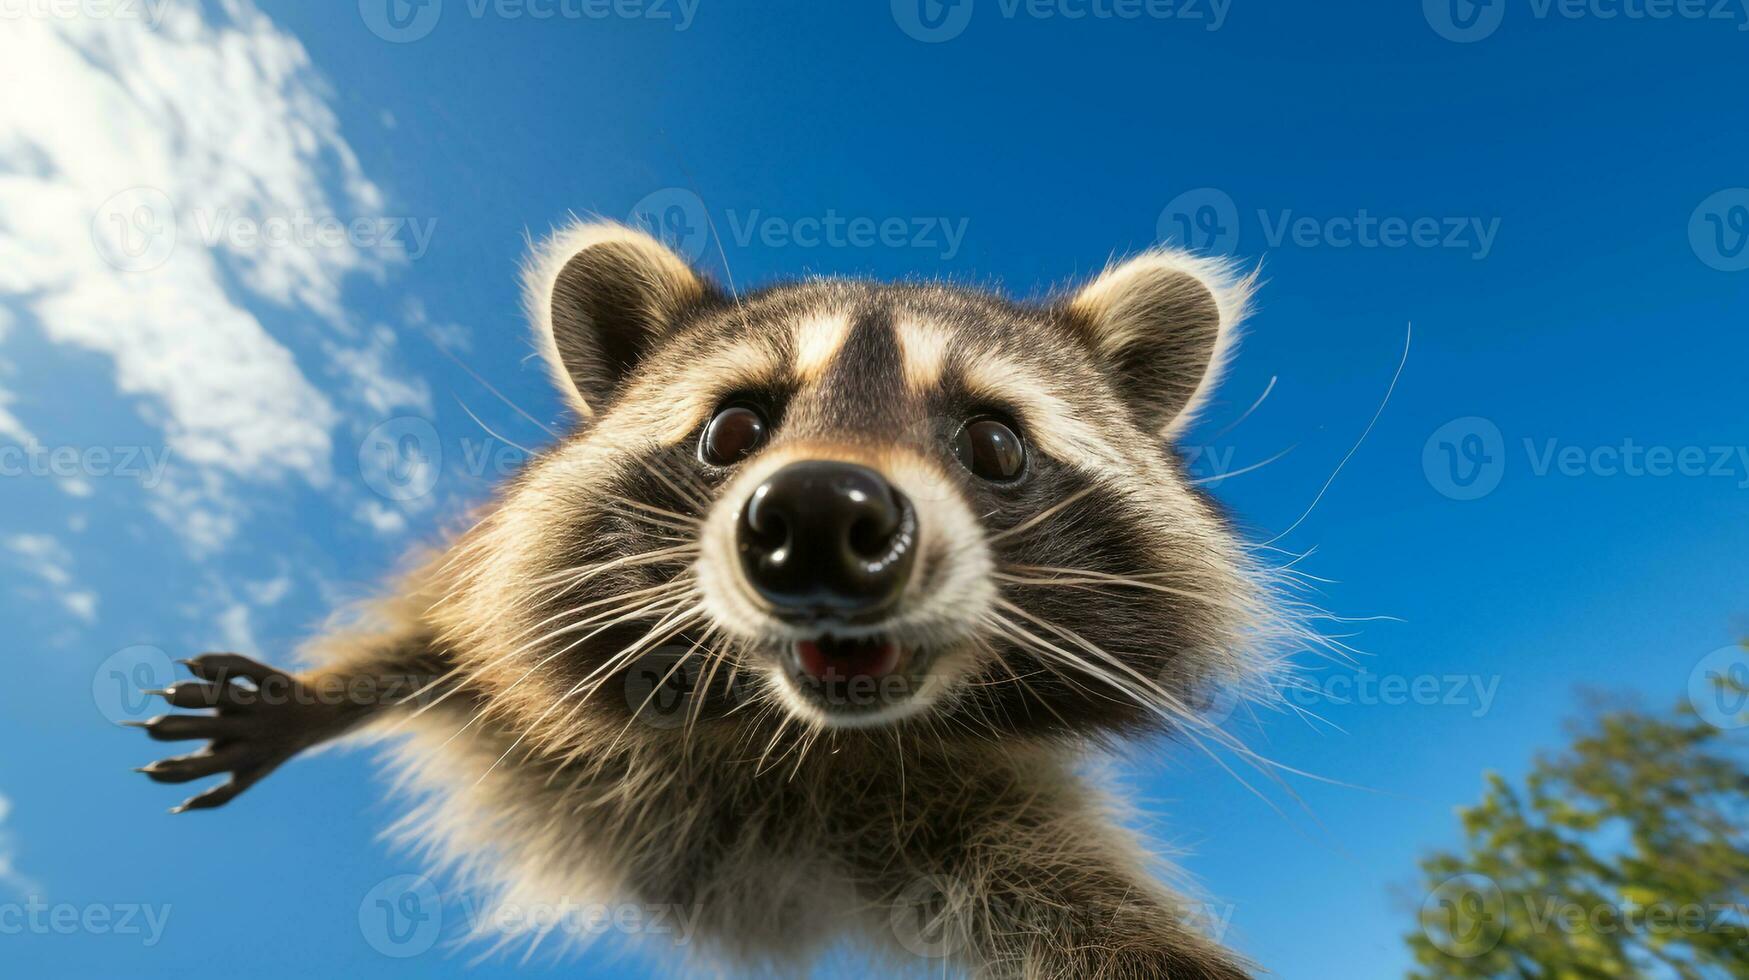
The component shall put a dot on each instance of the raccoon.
(811, 623)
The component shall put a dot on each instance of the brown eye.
(991, 450)
(732, 434)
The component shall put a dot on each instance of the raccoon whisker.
(674, 588)
(811, 739)
(1167, 709)
(575, 618)
(1273, 549)
(667, 606)
(658, 605)
(669, 627)
(658, 516)
(593, 568)
(458, 362)
(470, 543)
(1043, 515)
(963, 722)
(932, 724)
(1176, 710)
(1039, 646)
(1134, 576)
(784, 721)
(1090, 577)
(649, 525)
(671, 539)
(583, 575)
(734, 672)
(1173, 709)
(482, 712)
(763, 708)
(899, 757)
(489, 431)
(655, 689)
(734, 660)
(715, 656)
(1241, 471)
(1333, 618)
(654, 636)
(700, 499)
(1230, 426)
(1021, 680)
(808, 741)
(665, 595)
(460, 683)
(1408, 338)
(1303, 579)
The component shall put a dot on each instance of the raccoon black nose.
(828, 540)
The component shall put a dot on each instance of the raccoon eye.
(732, 434)
(990, 449)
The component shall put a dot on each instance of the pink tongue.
(847, 658)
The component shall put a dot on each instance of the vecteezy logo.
(1718, 688)
(401, 458)
(400, 21)
(122, 679)
(135, 230)
(677, 217)
(661, 686)
(1718, 230)
(932, 21)
(1465, 916)
(1204, 220)
(922, 918)
(1212, 705)
(1464, 21)
(1465, 458)
(402, 916)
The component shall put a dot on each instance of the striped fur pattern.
(615, 725)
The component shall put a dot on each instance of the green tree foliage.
(1625, 855)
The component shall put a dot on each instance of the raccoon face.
(863, 502)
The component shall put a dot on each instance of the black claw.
(198, 765)
(219, 795)
(179, 728)
(222, 666)
(195, 694)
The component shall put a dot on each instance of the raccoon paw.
(254, 727)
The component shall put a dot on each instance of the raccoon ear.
(1165, 322)
(600, 295)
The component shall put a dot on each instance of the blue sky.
(236, 240)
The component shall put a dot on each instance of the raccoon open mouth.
(852, 675)
(830, 657)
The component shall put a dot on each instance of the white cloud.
(368, 369)
(269, 591)
(82, 604)
(10, 879)
(51, 562)
(10, 427)
(236, 627)
(386, 521)
(230, 616)
(43, 556)
(120, 197)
